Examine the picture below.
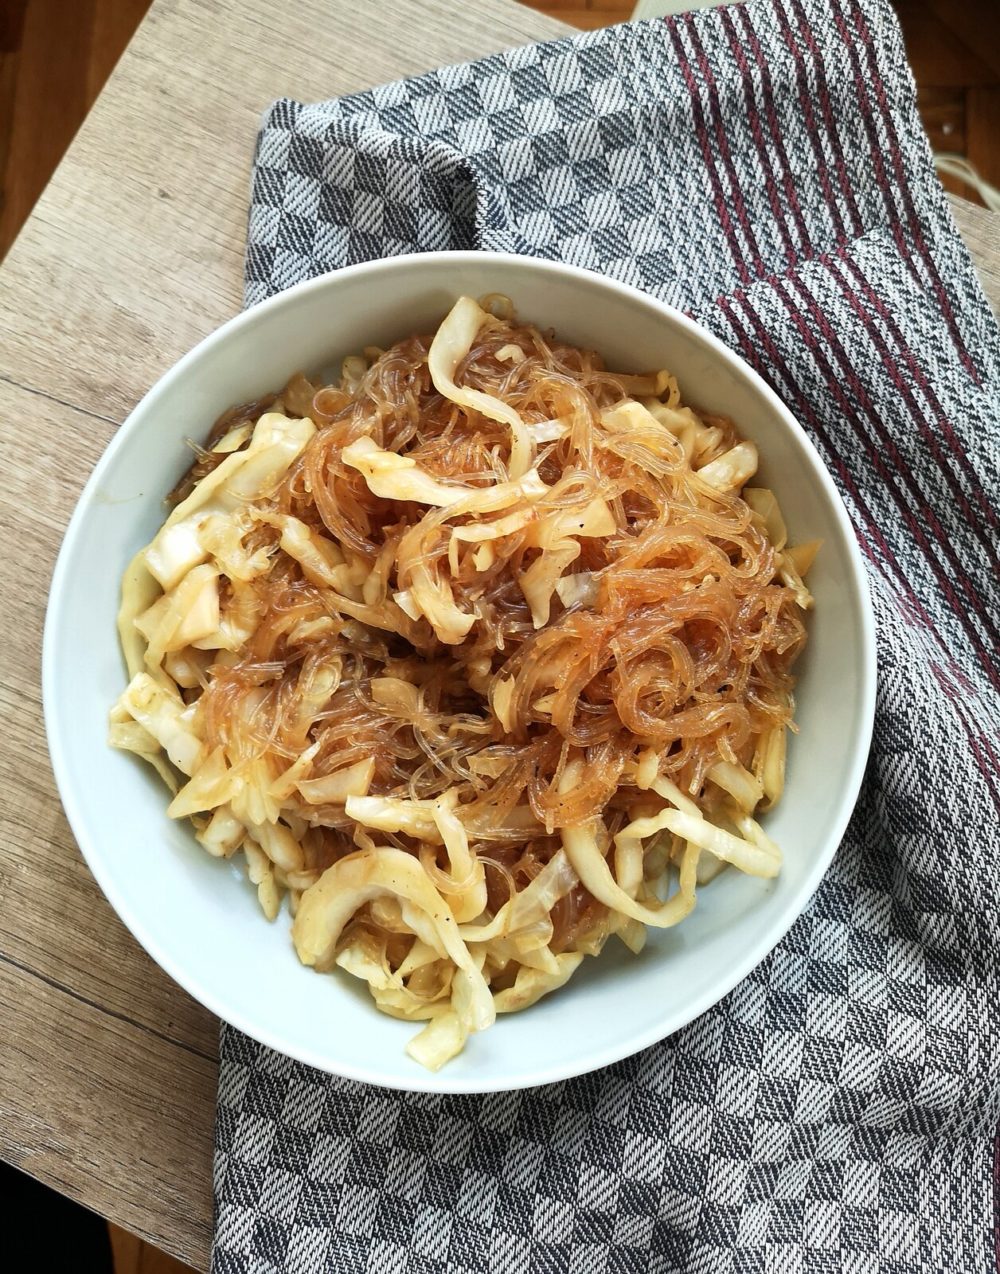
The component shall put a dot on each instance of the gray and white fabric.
(763, 167)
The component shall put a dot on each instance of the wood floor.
(132, 1256)
(56, 54)
(54, 58)
(954, 51)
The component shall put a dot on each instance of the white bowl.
(198, 917)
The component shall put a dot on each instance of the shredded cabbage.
(478, 657)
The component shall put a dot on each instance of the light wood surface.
(134, 253)
(131, 1255)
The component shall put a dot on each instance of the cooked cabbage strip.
(243, 476)
(450, 346)
(396, 477)
(348, 885)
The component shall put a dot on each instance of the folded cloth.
(764, 168)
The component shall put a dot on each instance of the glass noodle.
(479, 656)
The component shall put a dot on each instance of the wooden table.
(135, 251)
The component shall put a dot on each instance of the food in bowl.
(475, 655)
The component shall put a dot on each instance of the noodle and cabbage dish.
(479, 655)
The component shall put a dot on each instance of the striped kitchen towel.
(763, 167)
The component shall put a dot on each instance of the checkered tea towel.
(763, 167)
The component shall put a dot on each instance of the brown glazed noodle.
(480, 656)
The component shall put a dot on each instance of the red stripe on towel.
(732, 239)
(941, 426)
(912, 610)
(859, 419)
(722, 141)
(766, 153)
(864, 77)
